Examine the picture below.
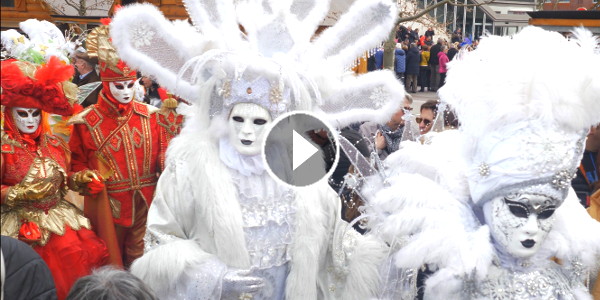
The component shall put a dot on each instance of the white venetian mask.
(247, 125)
(520, 223)
(27, 119)
(122, 91)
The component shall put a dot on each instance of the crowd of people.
(418, 62)
(160, 190)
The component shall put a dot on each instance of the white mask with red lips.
(26, 119)
(247, 125)
(519, 224)
(122, 91)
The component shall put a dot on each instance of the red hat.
(118, 72)
(27, 85)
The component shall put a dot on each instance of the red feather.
(11, 75)
(54, 71)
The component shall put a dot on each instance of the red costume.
(34, 177)
(124, 142)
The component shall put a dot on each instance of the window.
(7, 3)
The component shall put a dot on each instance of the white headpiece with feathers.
(240, 46)
(526, 112)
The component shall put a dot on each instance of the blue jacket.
(379, 59)
(400, 59)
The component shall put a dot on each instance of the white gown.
(215, 209)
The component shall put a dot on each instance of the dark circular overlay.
(300, 149)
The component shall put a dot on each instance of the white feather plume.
(194, 58)
(547, 88)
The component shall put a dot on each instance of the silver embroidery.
(562, 179)
(379, 96)
(503, 284)
(142, 36)
(484, 169)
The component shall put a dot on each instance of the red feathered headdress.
(27, 85)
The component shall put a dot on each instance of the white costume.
(490, 207)
(220, 226)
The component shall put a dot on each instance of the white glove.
(240, 284)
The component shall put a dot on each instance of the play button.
(300, 149)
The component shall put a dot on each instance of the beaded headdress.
(263, 52)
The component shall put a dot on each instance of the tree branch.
(72, 4)
(432, 7)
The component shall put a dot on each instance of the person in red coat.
(121, 138)
(35, 177)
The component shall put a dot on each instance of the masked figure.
(35, 173)
(121, 138)
(491, 211)
(220, 227)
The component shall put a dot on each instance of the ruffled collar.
(246, 165)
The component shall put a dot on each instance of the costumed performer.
(124, 138)
(34, 171)
(493, 213)
(219, 226)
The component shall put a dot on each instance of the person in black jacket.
(434, 65)
(85, 68)
(457, 36)
(429, 33)
(452, 51)
(25, 275)
(413, 59)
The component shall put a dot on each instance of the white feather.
(366, 24)
(487, 85)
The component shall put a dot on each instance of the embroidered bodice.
(268, 215)
(46, 165)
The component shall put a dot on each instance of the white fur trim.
(367, 23)
(363, 279)
(374, 96)
(160, 273)
(178, 42)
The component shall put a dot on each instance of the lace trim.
(268, 215)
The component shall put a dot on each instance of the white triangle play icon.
(302, 150)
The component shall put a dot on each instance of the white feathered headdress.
(526, 112)
(262, 52)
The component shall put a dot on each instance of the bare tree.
(80, 7)
(409, 11)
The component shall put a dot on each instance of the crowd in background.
(420, 64)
